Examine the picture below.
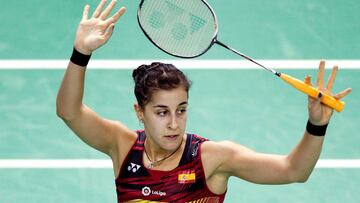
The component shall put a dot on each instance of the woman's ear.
(139, 112)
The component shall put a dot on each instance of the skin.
(164, 119)
(165, 115)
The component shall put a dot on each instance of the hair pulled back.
(157, 76)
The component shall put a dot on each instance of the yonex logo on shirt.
(133, 167)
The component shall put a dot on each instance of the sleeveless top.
(185, 183)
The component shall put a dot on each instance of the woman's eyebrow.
(160, 106)
(164, 106)
(183, 103)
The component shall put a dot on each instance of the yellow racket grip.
(313, 92)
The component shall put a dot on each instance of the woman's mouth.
(171, 137)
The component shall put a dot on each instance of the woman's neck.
(157, 155)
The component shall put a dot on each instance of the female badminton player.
(163, 163)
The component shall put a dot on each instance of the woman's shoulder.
(218, 150)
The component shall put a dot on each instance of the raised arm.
(304, 156)
(230, 159)
(97, 132)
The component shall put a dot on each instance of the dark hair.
(157, 76)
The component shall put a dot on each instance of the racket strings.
(182, 28)
(196, 23)
(156, 20)
(173, 9)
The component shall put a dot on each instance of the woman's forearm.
(70, 95)
(304, 156)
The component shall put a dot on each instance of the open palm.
(94, 32)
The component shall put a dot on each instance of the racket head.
(181, 28)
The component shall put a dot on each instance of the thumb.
(314, 103)
(319, 98)
(315, 108)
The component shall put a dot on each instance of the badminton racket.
(188, 29)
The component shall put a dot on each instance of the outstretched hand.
(320, 114)
(94, 32)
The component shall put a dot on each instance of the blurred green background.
(247, 106)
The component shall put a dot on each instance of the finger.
(320, 77)
(86, 12)
(116, 16)
(319, 97)
(342, 94)
(108, 9)
(109, 32)
(314, 103)
(99, 9)
(332, 78)
(307, 80)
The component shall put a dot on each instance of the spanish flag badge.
(185, 177)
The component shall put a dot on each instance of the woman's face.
(164, 118)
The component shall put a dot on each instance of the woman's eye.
(181, 111)
(161, 113)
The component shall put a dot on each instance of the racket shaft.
(313, 92)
